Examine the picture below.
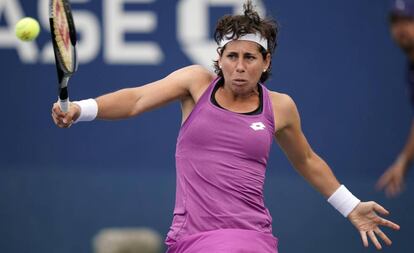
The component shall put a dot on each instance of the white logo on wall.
(256, 126)
(109, 38)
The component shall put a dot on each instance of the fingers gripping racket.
(63, 33)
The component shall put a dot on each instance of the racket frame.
(63, 72)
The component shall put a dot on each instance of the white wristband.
(89, 110)
(343, 200)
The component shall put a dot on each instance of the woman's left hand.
(367, 221)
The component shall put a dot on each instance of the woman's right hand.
(62, 119)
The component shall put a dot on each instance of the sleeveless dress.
(221, 159)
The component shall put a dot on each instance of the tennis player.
(229, 121)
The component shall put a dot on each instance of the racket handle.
(64, 105)
(64, 95)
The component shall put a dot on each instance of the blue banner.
(60, 186)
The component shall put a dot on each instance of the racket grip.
(64, 105)
(63, 95)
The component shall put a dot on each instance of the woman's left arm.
(316, 171)
(293, 142)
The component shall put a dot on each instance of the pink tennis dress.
(221, 159)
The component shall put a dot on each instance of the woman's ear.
(267, 62)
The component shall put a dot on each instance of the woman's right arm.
(126, 103)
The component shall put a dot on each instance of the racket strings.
(62, 35)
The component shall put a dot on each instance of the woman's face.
(242, 65)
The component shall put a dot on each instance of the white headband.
(254, 37)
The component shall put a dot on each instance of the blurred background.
(60, 187)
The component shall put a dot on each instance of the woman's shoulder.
(194, 72)
(284, 109)
(282, 104)
(194, 78)
(281, 99)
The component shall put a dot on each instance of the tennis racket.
(63, 33)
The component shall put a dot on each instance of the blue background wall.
(58, 187)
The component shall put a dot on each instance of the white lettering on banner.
(193, 27)
(13, 12)
(192, 31)
(117, 23)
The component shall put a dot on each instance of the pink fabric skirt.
(226, 241)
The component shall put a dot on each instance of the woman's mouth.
(239, 81)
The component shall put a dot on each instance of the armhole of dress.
(205, 94)
(268, 108)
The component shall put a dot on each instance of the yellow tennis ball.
(27, 29)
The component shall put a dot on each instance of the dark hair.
(239, 25)
(397, 17)
(401, 10)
